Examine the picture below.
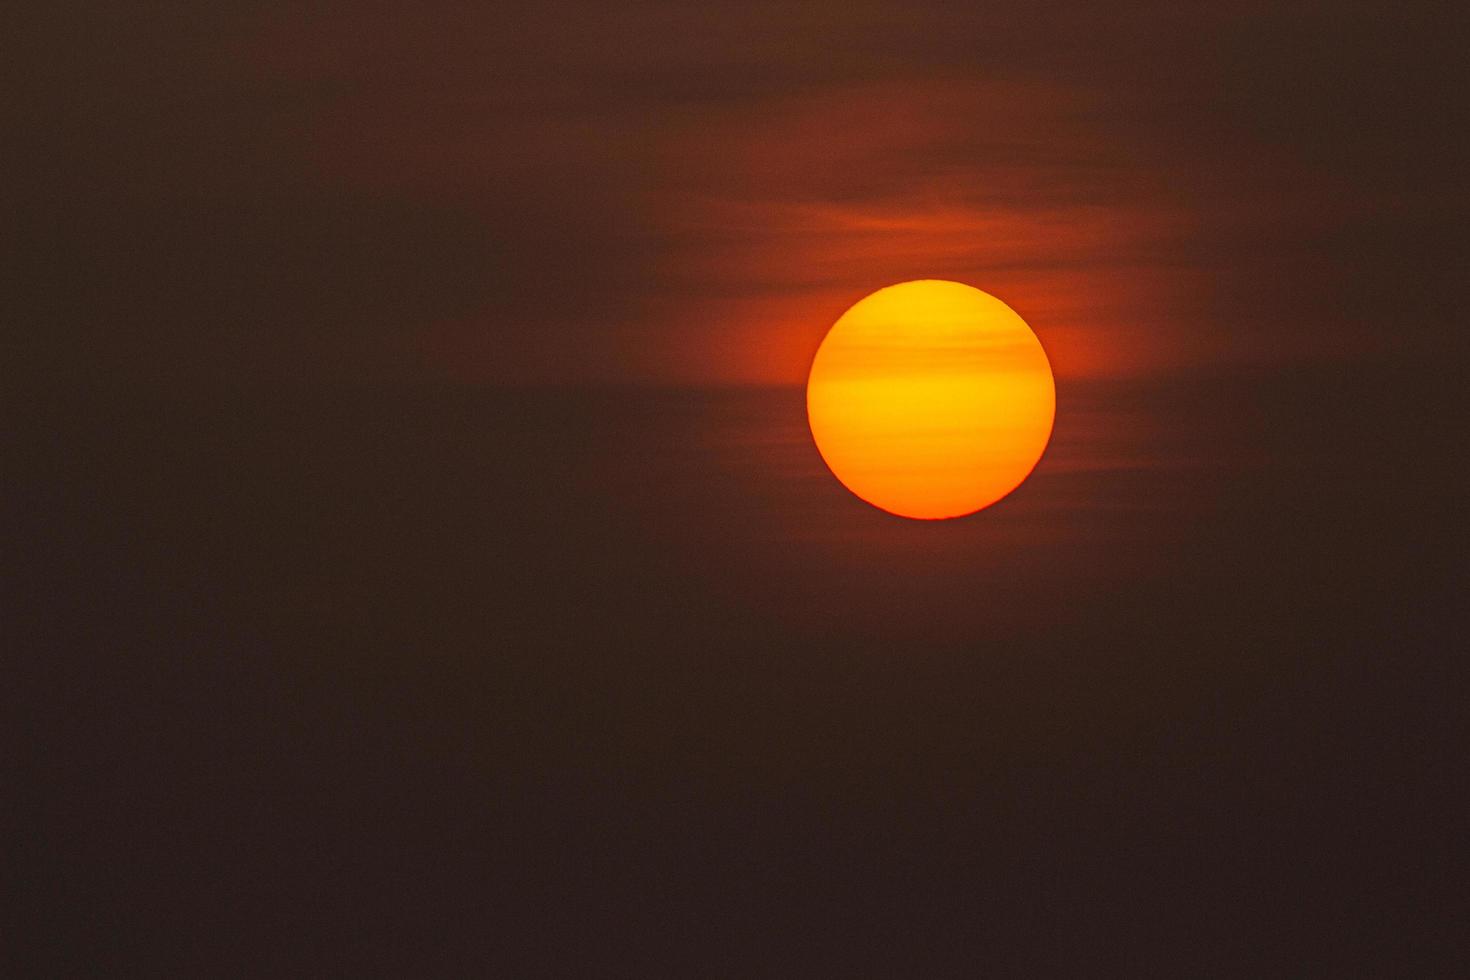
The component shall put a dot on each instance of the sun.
(931, 399)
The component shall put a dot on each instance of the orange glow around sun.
(931, 399)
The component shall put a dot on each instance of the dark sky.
(692, 193)
(397, 580)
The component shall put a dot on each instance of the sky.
(674, 194)
(417, 559)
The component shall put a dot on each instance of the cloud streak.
(655, 192)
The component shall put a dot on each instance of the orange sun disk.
(931, 399)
